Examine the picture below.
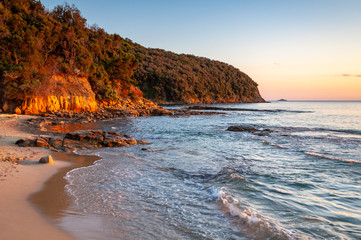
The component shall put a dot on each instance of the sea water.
(195, 180)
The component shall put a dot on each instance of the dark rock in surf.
(242, 129)
(259, 132)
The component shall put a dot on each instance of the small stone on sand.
(47, 159)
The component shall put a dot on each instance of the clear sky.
(294, 49)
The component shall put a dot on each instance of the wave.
(349, 131)
(274, 144)
(305, 129)
(252, 223)
(228, 173)
(319, 155)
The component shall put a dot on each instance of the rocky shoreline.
(45, 136)
(80, 140)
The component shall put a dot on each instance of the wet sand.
(22, 179)
(18, 219)
(52, 201)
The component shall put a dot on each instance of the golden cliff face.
(38, 105)
(61, 93)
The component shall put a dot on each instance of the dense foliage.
(168, 77)
(37, 44)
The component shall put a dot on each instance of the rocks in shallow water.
(242, 129)
(259, 132)
(141, 142)
(47, 159)
(263, 132)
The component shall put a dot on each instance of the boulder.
(17, 111)
(56, 143)
(25, 142)
(47, 159)
(260, 132)
(242, 129)
(41, 142)
(141, 142)
(114, 142)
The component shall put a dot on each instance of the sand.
(19, 180)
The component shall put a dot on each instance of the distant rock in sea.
(282, 100)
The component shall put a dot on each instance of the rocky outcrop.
(59, 93)
(36, 105)
(80, 140)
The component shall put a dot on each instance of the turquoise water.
(198, 181)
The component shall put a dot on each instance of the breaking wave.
(251, 222)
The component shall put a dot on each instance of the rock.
(263, 132)
(260, 132)
(6, 107)
(242, 129)
(25, 142)
(86, 139)
(141, 142)
(114, 142)
(129, 140)
(77, 96)
(110, 134)
(47, 159)
(56, 143)
(41, 142)
(17, 111)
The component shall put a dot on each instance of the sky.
(293, 49)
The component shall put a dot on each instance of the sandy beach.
(19, 180)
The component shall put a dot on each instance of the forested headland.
(40, 50)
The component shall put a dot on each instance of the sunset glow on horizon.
(297, 50)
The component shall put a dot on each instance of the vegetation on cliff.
(37, 44)
(166, 77)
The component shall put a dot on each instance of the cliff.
(68, 93)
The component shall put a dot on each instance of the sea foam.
(250, 221)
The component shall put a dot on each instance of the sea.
(297, 177)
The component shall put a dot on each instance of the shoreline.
(52, 201)
(20, 177)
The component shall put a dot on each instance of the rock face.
(81, 140)
(53, 103)
(69, 93)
